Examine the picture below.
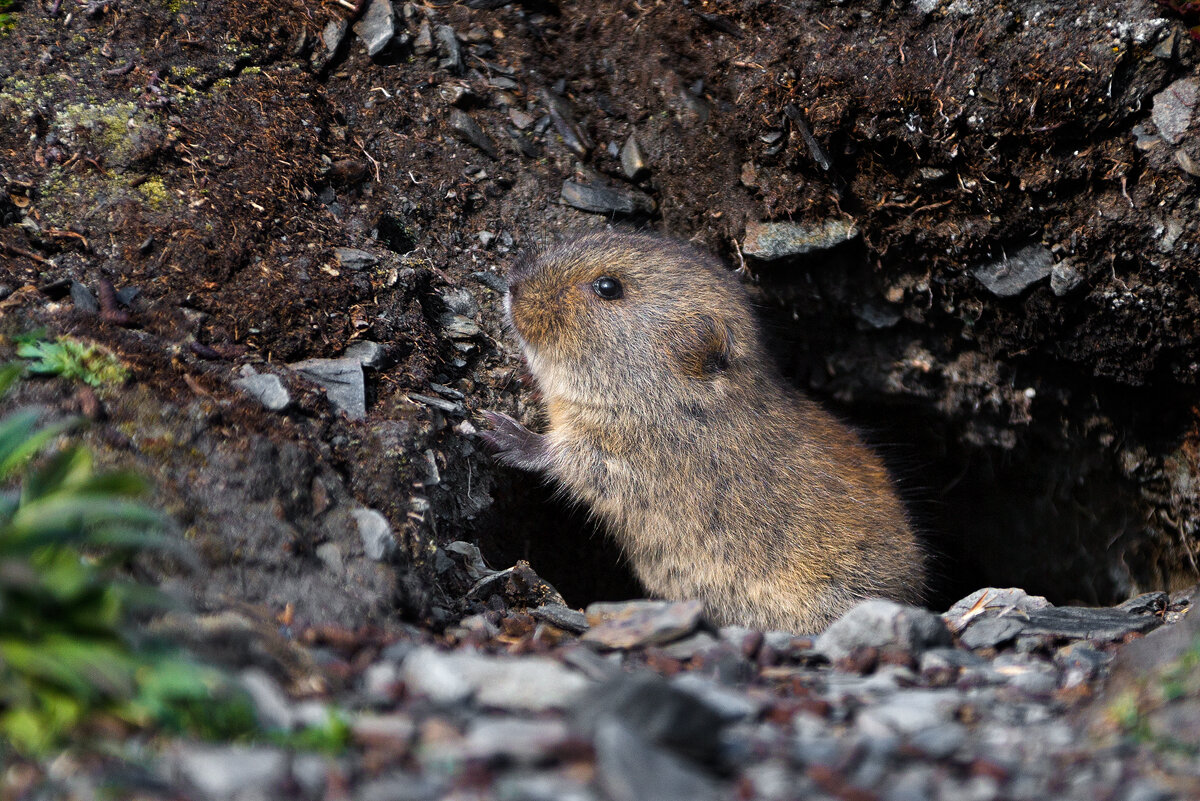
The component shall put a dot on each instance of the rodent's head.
(615, 319)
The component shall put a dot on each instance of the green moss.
(105, 125)
(154, 192)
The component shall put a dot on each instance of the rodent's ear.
(705, 348)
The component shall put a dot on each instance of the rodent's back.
(718, 480)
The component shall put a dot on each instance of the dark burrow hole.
(530, 521)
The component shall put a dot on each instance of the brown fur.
(668, 420)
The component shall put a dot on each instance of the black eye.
(607, 287)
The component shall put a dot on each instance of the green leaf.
(70, 517)
(18, 441)
(9, 373)
(30, 658)
(69, 466)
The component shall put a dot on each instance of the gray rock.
(910, 711)
(83, 299)
(400, 786)
(878, 315)
(525, 742)
(632, 624)
(915, 782)
(380, 681)
(1009, 276)
(367, 353)
(542, 786)
(311, 772)
(994, 598)
(378, 542)
(564, 617)
(654, 710)
(450, 407)
(448, 46)
(1186, 163)
(1147, 790)
(938, 658)
(1082, 660)
(494, 282)
(520, 120)
(342, 380)
(392, 729)
(530, 683)
(271, 707)
(331, 556)
(689, 646)
(464, 127)
(1083, 623)
(460, 301)
(377, 26)
(354, 259)
(604, 199)
(456, 326)
(633, 161)
(561, 115)
(1064, 278)
(629, 768)
(1174, 108)
(882, 624)
(265, 388)
(333, 34)
(779, 240)
(423, 44)
(940, 741)
(729, 704)
(219, 773)
(989, 631)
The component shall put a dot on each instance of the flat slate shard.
(992, 630)
(1084, 623)
(466, 129)
(355, 259)
(601, 199)
(1175, 107)
(377, 26)
(882, 624)
(780, 240)
(633, 624)
(1009, 276)
(564, 617)
(265, 388)
(342, 380)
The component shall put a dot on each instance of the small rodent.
(667, 418)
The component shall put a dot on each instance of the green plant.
(7, 20)
(71, 358)
(69, 652)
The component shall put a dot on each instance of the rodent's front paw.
(513, 444)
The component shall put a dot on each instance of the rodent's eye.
(607, 287)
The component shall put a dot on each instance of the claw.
(512, 443)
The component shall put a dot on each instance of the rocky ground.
(998, 698)
(972, 229)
